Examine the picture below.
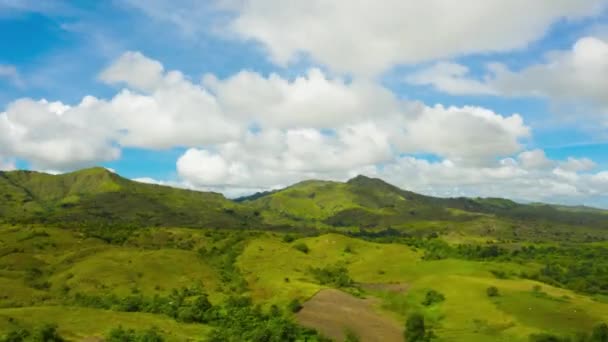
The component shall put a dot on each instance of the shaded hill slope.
(99, 197)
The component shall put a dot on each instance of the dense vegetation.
(91, 254)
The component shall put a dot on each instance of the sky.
(495, 98)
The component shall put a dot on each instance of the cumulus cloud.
(467, 134)
(578, 75)
(578, 164)
(249, 132)
(242, 169)
(368, 37)
(51, 135)
(323, 123)
(135, 70)
(510, 180)
(534, 159)
(312, 100)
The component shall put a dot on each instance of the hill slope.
(99, 197)
(372, 203)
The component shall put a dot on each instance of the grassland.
(90, 251)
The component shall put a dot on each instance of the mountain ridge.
(101, 197)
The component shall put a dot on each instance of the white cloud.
(244, 169)
(535, 159)
(578, 164)
(368, 37)
(503, 180)
(135, 70)
(579, 76)
(53, 136)
(10, 73)
(322, 123)
(467, 134)
(312, 126)
(451, 78)
(312, 100)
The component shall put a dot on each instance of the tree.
(47, 333)
(492, 291)
(433, 297)
(302, 247)
(600, 333)
(351, 336)
(415, 331)
(295, 306)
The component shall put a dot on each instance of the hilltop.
(98, 197)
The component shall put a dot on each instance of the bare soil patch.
(332, 312)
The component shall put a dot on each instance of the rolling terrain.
(90, 253)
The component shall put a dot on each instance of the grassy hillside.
(96, 255)
(97, 197)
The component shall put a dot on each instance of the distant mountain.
(371, 202)
(99, 197)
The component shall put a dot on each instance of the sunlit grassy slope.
(278, 273)
(77, 323)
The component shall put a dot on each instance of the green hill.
(96, 196)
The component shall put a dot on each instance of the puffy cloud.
(53, 135)
(535, 159)
(368, 37)
(467, 134)
(578, 164)
(279, 157)
(321, 123)
(451, 78)
(508, 180)
(313, 100)
(579, 75)
(135, 70)
(239, 169)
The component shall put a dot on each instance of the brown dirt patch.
(332, 312)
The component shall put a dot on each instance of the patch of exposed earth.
(333, 312)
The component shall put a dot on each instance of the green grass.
(467, 314)
(120, 237)
(77, 323)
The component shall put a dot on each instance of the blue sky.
(454, 98)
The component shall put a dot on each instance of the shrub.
(302, 247)
(433, 297)
(129, 335)
(600, 333)
(415, 329)
(351, 336)
(332, 275)
(492, 291)
(544, 337)
(288, 238)
(16, 335)
(294, 306)
(46, 333)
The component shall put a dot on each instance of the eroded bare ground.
(332, 312)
